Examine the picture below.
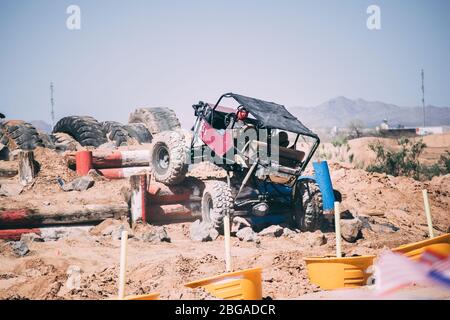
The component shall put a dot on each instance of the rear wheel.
(308, 207)
(168, 157)
(217, 201)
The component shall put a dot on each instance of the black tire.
(86, 130)
(308, 206)
(139, 132)
(46, 139)
(117, 133)
(64, 141)
(217, 201)
(156, 119)
(168, 157)
(19, 135)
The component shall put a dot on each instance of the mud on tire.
(47, 139)
(156, 119)
(168, 157)
(19, 135)
(139, 132)
(64, 141)
(308, 210)
(86, 130)
(116, 133)
(217, 201)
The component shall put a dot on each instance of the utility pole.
(423, 96)
(52, 103)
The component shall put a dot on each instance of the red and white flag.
(394, 271)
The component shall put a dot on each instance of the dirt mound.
(45, 194)
(397, 200)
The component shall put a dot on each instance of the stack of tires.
(74, 131)
(16, 134)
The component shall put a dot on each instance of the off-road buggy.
(255, 142)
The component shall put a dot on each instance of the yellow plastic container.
(334, 273)
(414, 250)
(239, 285)
(151, 296)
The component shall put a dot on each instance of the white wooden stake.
(123, 264)
(337, 226)
(428, 213)
(226, 226)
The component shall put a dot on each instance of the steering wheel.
(230, 117)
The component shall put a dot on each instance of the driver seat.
(287, 157)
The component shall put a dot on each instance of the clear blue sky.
(174, 53)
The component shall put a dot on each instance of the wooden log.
(8, 169)
(426, 203)
(227, 233)
(73, 214)
(337, 228)
(27, 167)
(138, 200)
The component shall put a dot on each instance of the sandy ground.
(164, 267)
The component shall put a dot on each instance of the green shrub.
(444, 161)
(405, 162)
(339, 141)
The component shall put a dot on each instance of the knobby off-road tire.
(217, 201)
(47, 139)
(86, 130)
(156, 119)
(139, 132)
(123, 135)
(116, 133)
(64, 141)
(168, 157)
(19, 135)
(308, 210)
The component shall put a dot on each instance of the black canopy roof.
(272, 115)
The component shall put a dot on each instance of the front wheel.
(217, 201)
(308, 206)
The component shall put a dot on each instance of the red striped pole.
(119, 159)
(143, 189)
(120, 173)
(16, 234)
(158, 196)
(169, 212)
(15, 217)
(83, 162)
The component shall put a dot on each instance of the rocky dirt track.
(390, 209)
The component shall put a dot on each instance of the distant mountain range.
(341, 110)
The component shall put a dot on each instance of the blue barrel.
(323, 179)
